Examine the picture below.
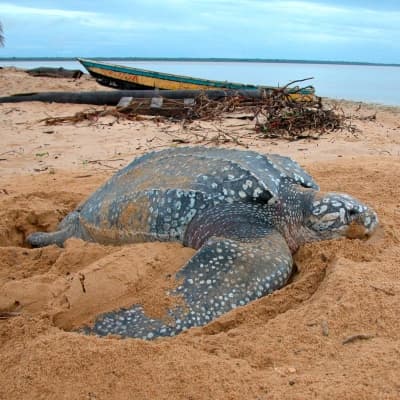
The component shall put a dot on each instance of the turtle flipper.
(40, 239)
(69, 227)
(224, 274)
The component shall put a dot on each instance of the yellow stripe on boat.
(151, 82)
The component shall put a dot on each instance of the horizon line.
(206, 59)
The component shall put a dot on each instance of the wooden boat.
(130, 78)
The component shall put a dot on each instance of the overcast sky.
(349, 30)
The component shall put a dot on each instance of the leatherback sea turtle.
(245, 212)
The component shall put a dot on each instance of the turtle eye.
(352, 212)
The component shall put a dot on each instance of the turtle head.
(336, 215)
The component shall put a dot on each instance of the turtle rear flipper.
(40, 239)
(68, 227)
(224, 274)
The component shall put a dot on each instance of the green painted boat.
(130, 78)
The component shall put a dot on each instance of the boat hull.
(129, 78)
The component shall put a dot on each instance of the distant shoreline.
(188, 59)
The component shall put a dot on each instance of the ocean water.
(372, 84)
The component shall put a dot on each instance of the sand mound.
(292, 339)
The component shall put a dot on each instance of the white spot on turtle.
(342, 214)
(242, 194)
(325, 225)
(247, 184)
(323, 208)
(348, 205)
(257, 191)
(272, 200)
(320, 210)
(330, 217)
(191, 214)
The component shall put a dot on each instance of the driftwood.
(55, 72)
(112, 97)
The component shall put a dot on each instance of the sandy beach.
(331, 333)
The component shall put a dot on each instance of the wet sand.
(333, 332)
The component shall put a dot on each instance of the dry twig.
(7, 315)
(353, 338)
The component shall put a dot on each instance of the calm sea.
(374, 84)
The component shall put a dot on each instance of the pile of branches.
(276, 113)
(281, 116)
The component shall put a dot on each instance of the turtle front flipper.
(224, 274)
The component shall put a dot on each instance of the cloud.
(93, 19)
(15, 11)
(306, 20)
(344, 29)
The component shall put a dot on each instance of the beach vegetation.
(1, 36)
